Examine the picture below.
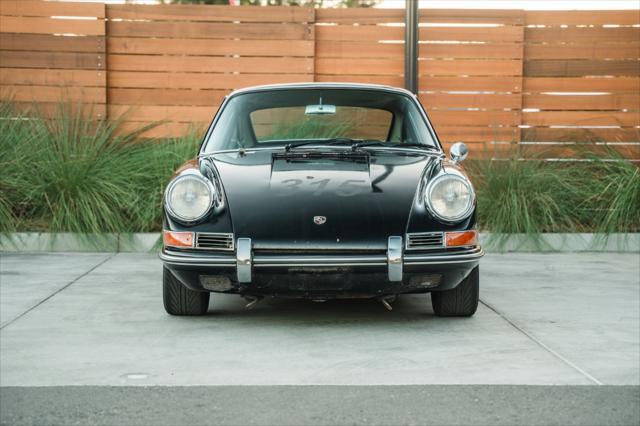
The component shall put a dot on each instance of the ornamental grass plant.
(72, 173)
(517, 196)
(525, 194)
(614, 188)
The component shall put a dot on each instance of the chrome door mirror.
(458, 152)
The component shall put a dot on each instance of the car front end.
(322, 219)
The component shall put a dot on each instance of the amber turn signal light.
(464, 238)
(177, 239)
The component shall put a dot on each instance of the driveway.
(97, 320)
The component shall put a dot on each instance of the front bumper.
(322, 275)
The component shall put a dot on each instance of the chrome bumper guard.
(395, 259)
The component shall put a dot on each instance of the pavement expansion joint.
(64, 287)
(542, 344)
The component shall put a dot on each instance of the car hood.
(324, 202)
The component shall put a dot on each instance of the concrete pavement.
(545, 319)
(97, 320)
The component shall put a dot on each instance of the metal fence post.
(411, 46)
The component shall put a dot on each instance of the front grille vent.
(214, 241)
(425, 241)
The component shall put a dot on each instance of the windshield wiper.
(358, 145)
(330, 141)
(418, 145)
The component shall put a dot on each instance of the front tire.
(180, 300)
(461, 301)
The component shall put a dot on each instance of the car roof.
(294, 86)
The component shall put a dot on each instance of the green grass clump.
(527, 196)
(615, 186)
(75, 174)
(13, 132)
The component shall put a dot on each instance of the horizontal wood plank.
(388, 80)
(210, 30)
(359, 16)
(473, 83)
(362, 66)
(375, 49)
(52, 109)
(40, 25)
(50, 8)
(54, 94)
(471, 51)
(20, 59)
(581, 134)
(478, 134)
(581, 34)
(52, 77)
(359, 49)
(470, 67)
(366, 66)
(127, 79)
(562, 68)
(616, 101)
(446, 101)
(591, 51)
(381, 32)
(204, 47)
(210, 64)
(173, 113)
(475, 118)
(581, 118)
(52, 43)
(582, 17)
(582, 84)
(165, 129)
(166, 96)
(472, 16)
(213, 13)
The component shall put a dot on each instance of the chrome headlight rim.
(189, 174)
(449, 220)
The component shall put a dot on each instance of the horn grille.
(425, 241)
(214, 241)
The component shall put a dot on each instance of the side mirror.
(458, 152)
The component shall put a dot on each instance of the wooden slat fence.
(52, 51)
(495, 79)
(581, 79)
(470, 66)
(177, 62)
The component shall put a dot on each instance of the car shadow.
(301, 311)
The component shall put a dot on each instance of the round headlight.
(189, 198)
(450, 197)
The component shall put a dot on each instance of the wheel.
(179, 300)
(461, 301)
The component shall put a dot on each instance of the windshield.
(277, 118)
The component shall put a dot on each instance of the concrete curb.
(572, 243)
(150, 242)
(69, 242)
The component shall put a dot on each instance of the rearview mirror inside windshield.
(320, 109)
